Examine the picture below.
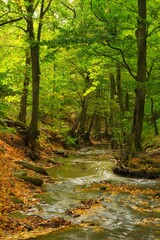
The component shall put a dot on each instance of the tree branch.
(101, 20)
(123, 58)
(73, 10)
(34, 9)
(23, 29)
(10, 21)
(3, 14)
(47, 7)
(151, 67)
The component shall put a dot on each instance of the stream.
(118, 216)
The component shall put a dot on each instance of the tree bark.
(154, 118)
(83, 116)
(23, 103)
(32, 131)
(97, 127)
(119, 88)
(113, 92)
(127, 102)
(138, 115)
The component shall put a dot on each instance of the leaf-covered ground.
(145, 165)
(16, 195)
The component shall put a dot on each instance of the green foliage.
(5, 129)
(70, 141)
(80, 39)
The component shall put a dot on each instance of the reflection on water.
(121, 215)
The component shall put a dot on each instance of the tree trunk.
(113, 85)
(138, 114)
(72, 131)
(33, 132)
(97, 127)
(113, 92)
(86, 138)
(153, 118)
(23, 103)
(114, 143)
(83, 117)
(82, 122)
(119, 88)
(127, 102)
(107, 131)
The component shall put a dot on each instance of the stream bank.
(99, 204)
(81, 191)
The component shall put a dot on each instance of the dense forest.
(82, 71)
(82, 68)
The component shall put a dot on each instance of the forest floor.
(17, 194)
(143, 165)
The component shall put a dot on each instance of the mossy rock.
(20, 173)
(16, 200)
(33, 180)
(35, 168)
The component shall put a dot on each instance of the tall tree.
(140, 90)
(34, 40)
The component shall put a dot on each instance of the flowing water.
(120, 215)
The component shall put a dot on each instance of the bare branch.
(11, 21)
(47, 7)
(73, 10)
(102, 20)
(151, 67)
(34, 9)
(130, 8)
(111, 57)
(23, 29)
(155, 30)
(123, 58)
(3, 14)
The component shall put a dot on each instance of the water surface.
(120, 216)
